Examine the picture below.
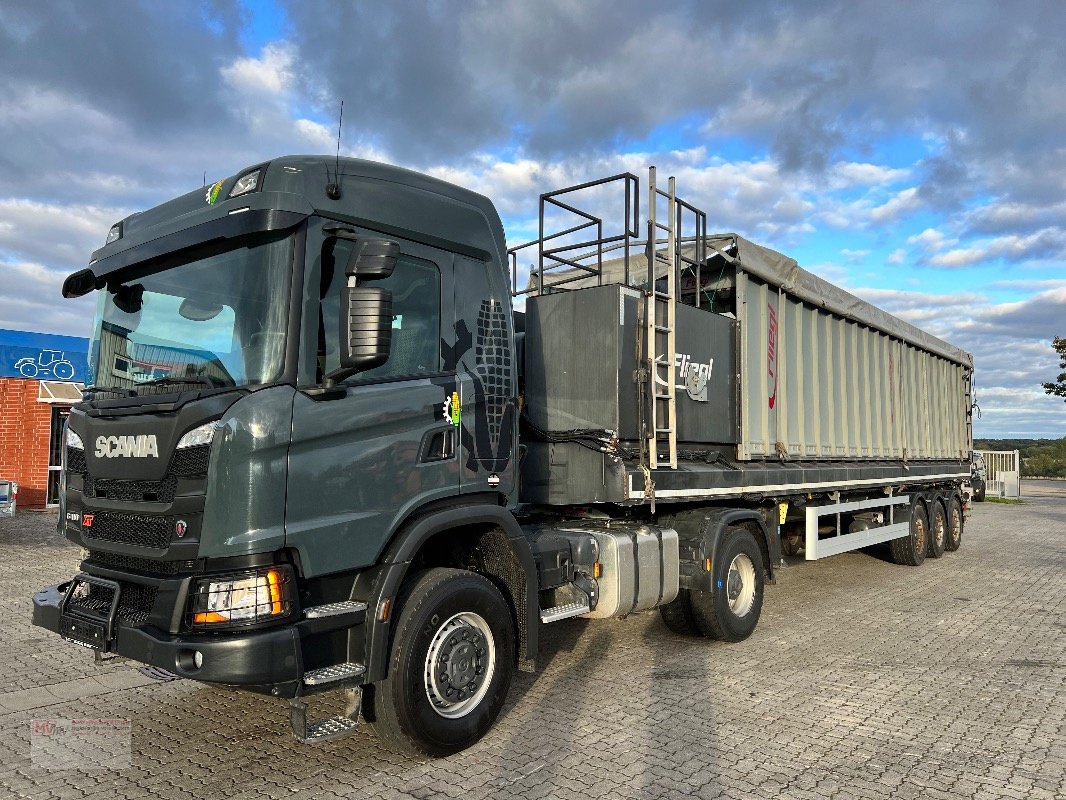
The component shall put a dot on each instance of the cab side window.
(415, 287)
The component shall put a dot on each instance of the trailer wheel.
(938, 530)
(910, 549)
(677, 614)
(731, 610)
(450, 666)
(791, 543)
(953, 540)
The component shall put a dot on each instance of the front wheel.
(731, 610)
(450, 667)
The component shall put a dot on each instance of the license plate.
(84, 632)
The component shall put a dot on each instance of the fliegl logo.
(127, 446)
(685, 366)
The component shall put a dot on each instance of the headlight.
(254, 597)
(73, 440)
(201, 435)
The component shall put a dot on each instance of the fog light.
(198, 658)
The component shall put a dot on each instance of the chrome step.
(334, 609)
(564, 612)
(333, 673)
(327, 729)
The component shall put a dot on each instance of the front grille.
(190, 462)
(134, 601)
(131, 491)
(149, 566)
(136, 529)
(75, 460)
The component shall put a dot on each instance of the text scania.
(127, 446)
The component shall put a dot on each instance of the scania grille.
(135, 529)
(134, 601)
(189, 462)
(149, 566)
(131, 491)
(75, 460)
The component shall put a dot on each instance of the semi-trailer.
(335, 439)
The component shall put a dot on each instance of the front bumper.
(267, 661)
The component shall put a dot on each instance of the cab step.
(329, 728)
(334, 673)
(335, 609)
(564, 612)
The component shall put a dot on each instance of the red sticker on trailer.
(771, 352)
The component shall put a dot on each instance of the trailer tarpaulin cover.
(778, 270)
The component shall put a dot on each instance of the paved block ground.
(864, 680)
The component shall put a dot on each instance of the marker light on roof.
(245, 183)
(114, 234)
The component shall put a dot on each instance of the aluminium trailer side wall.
(816, 385)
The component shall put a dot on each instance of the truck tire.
(731, 610)
(909, 550)
(938, 530)
(450, 665)
(677, 614)
(953, 540)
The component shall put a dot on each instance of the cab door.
(364, 456)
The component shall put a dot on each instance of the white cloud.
(270, 74)
(1043, 244)
(32, 301)
(905, 202)
(54, 234)
(931, 239)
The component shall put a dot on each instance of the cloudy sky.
(913, 152)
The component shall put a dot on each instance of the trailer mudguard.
(701, 532)
(511, 545)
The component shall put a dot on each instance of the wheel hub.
(459, 665)
(740, 585)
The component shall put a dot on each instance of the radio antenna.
(333, 190)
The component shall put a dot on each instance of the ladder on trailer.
(659, 316)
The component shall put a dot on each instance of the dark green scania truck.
(322, 452)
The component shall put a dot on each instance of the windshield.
(214, 320)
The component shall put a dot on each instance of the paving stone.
(864, 680)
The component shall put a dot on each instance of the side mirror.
(80, 283)
(372, 259)
(365, 330)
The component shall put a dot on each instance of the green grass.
(1010, 501)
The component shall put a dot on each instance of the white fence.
(1003, 473)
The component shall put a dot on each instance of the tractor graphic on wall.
(48, 364)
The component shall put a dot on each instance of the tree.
(1059, 386)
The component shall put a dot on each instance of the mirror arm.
(340, 374)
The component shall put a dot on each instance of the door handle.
(438, 444)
